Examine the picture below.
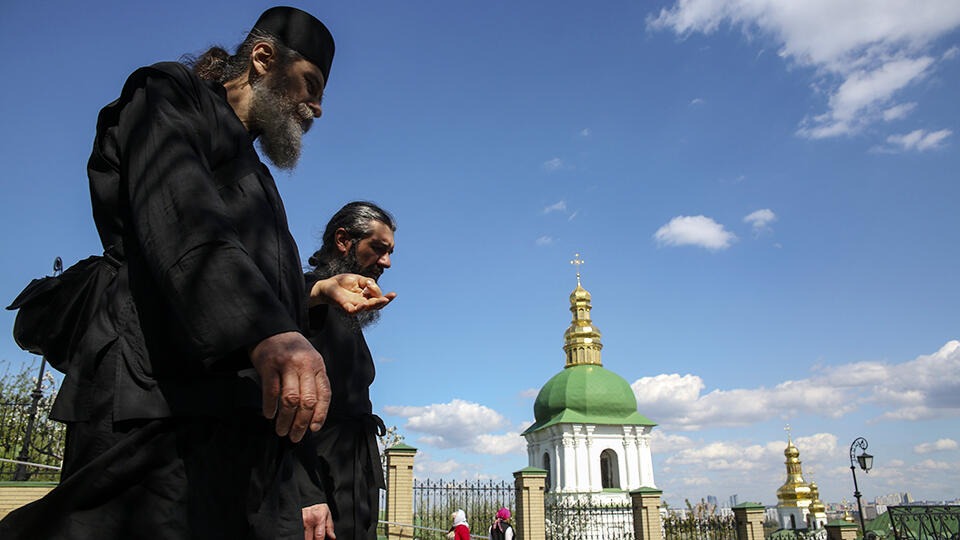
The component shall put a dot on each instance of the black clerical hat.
(301, 32)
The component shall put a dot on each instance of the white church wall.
(574, 453)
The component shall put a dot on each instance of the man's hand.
(353, 293)
(317, 523)
(295, 385)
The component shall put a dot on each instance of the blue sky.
(766, 198)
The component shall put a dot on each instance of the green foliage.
(700, 523)
(18, 388)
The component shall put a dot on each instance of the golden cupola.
(816, 507)
(581, 341)
(794, 492)
(585, 392)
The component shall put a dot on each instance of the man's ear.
(342, 240)
(262, 57)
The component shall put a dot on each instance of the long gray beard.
(281, 123)
(347, 265)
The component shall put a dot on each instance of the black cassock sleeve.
(183, 229)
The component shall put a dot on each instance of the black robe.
(346, 446)
(165, 433)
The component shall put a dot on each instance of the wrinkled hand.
(353, 293)
(295, 385)
(317, 523)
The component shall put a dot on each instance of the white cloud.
(863, 53)
(919, 140)
(739, 457)
(460, 424)
(931, 465)
(530, 393)
(424, 467)
(927, 387)
(560, 206)
(586, 132)
(554, 164)
(696, 481)
(697, 101)
(898, 111)
(951, 53)
(544, 240)
(572, 215)
(497, 445)
(852, 104)
(924, 388)
(663, 442)
(938, 446)
(694, 231)
(760, 220)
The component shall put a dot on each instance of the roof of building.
(585, 392)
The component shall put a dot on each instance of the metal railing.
(588, 520)
(30, 454)
(925, 522)
(434, 501)
(713, 527)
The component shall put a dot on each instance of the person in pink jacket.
(501, 529)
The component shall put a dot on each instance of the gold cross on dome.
(787, 429)
(577, 261)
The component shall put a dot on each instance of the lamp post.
(865, 461)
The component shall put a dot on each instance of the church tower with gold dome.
(587, 433)
(798, 502)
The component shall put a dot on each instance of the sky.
(765, 194)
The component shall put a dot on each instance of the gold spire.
(581, 341)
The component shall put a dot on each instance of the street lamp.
(866, 463)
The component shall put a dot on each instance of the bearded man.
(359, 239)
(190, 391)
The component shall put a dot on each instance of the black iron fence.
(30, 451)
(434, 502)
(925, 522)
(584, 519)
(689, 527)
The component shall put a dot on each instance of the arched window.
(793, 522)
(546, 467)
(609, 471)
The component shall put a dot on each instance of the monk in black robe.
(358, 239)
(192, 388)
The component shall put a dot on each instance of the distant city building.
(587, 432)
(711, 500)
(733, 500)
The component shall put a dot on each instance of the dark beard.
(347, 264)
(280, 122)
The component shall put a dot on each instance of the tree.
(392, 437)
(44, 445)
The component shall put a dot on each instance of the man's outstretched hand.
(353, 293)
(295, 386)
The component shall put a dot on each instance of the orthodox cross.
(577, 261)
(787, 429)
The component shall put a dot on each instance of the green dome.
(588, 394)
